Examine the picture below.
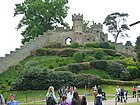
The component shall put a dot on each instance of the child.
(83, 101)
(63, 101)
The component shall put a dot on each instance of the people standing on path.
(2, 101)
(76, 100)
(83, 101)
(99, 90)
(138, 90)
(50, 97)
(12, 100)
(134, 91)
(118, 90)
(63, 101)
(70, 96)
(98, 99)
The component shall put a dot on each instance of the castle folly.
(60, 35)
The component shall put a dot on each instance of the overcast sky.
(96, 10)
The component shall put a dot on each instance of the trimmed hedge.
(110, 52)
(120, 83)
(74, 68)
(67, 52)
(99, 64)
(42, 79)
(78, 57)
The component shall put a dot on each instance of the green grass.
(98, 72)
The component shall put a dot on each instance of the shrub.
(74, 68)
(82, 79)
(104, 45)
(125, 75)
(55, 45)
(111, 46)
(51, 66)
(74, 45)
(85, 65)
(77, 56)
(42, 79)
(94, 45)
(115, 69)
(98, 64)
(134, 72)
(67, 52)
(99, 54)
(110, 52)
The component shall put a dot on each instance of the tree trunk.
(116, 37)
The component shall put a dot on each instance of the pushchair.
(104, 96)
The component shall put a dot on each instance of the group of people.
(135, 90)
(68, 96)
(121, 94)
(11, 101)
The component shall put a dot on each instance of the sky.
(92, 10)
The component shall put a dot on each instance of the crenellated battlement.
(77, 17)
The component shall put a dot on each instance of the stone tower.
(77, 23)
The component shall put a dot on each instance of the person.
(138, 90)
(134, 92)
(125, 95)
(122, 94)
(70, 96)
(2, 101)
(50, 97)
(118, 90)
(98, 99)
(99, 90)
(85, 91)
(83, 101)
(63, 101)
(76, 100)
(12, 100)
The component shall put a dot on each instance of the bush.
(99, 54)
(77, 56)
(82, 79)
(74, 45)
(74, 68)
(111, 46)
(115, 69)
(125, 75)
(98, 64)
(110, 52)
(43, 78)
(134, 72)
(67, 52)
(55, 45)
(94, 45)
(104, 45)
(85, 65)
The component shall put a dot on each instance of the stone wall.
(21, 53)
(128, 50)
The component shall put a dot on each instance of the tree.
(137, 47)
(40, 16)
(116, 23)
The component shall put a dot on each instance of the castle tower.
(77, 23)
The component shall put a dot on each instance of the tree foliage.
(116, 23)
(137, 47)
(40, 16)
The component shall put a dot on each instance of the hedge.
(118, 82)
(42, 79)
(99, 64)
